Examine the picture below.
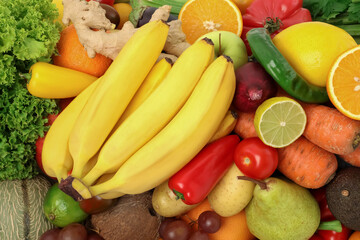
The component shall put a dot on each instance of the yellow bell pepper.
(51, 81)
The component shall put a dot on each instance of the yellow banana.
(152, 80)
(226, 126)
(110, 98)
(108, 195)
(56, 158)
(155, 112)
(181, 139)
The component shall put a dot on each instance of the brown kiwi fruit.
(343, 197)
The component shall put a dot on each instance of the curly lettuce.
(28, 34)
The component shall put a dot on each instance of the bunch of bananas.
(143, 120)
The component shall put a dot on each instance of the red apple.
(253, 86)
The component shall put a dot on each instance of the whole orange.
(71, 54)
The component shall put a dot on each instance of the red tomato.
(108, 2)
(255, 159)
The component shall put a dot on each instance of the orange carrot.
(245, 125)
(307, 164)
(330, 129)
(352, 158)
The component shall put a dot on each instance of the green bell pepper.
(266, 53)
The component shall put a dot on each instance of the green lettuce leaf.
(28, 34)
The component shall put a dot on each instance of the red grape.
(177, 230)
(94, 236)
(199, 235)
(111, 14)
(74, 231)
(163, 225)
(51, 234)
(209, 221)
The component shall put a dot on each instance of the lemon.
(61, 209)
(279, 121)
(312, 47)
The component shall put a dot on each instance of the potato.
(231, 195)
(132, 217)
(165, 203)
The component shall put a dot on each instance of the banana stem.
(74, 188)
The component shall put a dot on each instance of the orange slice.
(199, 17)
(343, 84)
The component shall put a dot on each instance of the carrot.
(307, 164)
(73, 55)
(352, 158)
(355, 235)
(330, 129)
(245, 125)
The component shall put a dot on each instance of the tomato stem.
(272, 24)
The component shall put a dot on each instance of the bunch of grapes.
(177, 229)
(74, 231)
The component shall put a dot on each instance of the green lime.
(61, 209)
(279, 121)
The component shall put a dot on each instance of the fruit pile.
(195, 120)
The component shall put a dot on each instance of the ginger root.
(107, 41)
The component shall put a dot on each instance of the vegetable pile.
(149, 132)
(28, 34)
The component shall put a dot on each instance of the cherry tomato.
(255, 159)
(108, 2)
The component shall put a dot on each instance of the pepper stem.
(178, 195)
(334, 225)
(262, 184)
(272, 24)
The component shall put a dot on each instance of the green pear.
(282, 210)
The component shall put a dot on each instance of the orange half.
(343, 84)
(199, 17)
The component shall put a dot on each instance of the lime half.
(279, 121)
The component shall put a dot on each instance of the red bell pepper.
(344, 234)
(274, 15)
(196, 179)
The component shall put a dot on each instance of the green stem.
(176, 5)
(178, 195)
(331, 225)
(272, 24)
(352, 29)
